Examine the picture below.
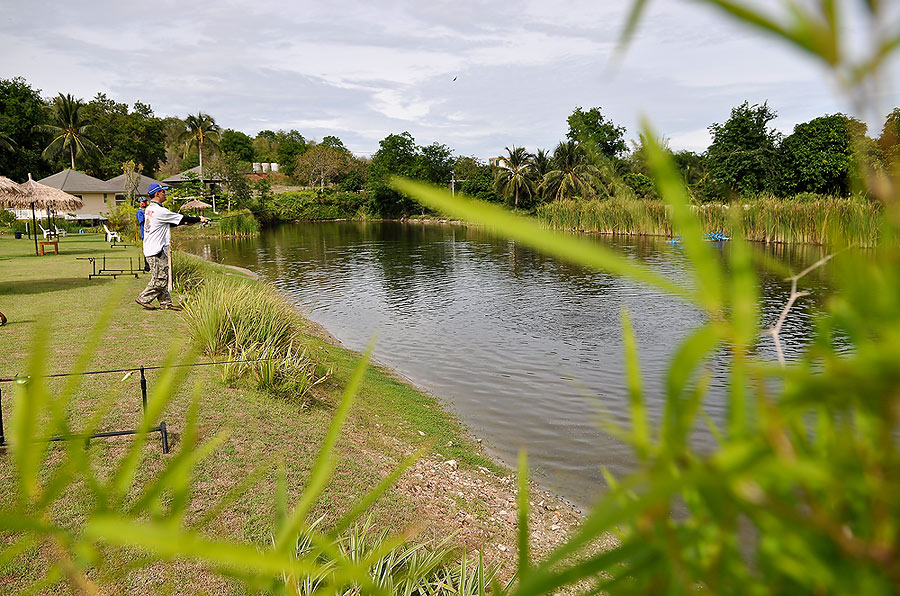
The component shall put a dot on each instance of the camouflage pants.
(158, 286)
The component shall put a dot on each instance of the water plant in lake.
(238, 224)
(833, 221)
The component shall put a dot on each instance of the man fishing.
(157, 240)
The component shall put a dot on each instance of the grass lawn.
(389, 420)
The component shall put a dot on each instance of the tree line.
(747, 156)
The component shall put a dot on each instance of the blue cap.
(155, 188)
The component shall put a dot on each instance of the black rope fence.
(161, 428)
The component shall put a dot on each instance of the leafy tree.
(353, 181)
(265, 146)
(515, 177)
(594, 129)
(475, 178)
(889, 141)
(571, 175)
(201, 129)
(355, 178)
(818, 156)
(396, 155)
(237, 143)
(694, 171)
(289, 145)
(334, 142)
(70, 130)
(122, 135)
(233, 171)
(21, 108)
(743, 155)
(321, 165)
(434, 163)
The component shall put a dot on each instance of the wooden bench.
(55, 244)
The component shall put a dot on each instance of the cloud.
(365, 69)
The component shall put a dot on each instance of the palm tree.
(200, 129)
(513, 177)
(541, 164)
(571, 174)
(6, 142)
(69, 129)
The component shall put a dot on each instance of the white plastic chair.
(58, 231)
(112, 236)
(48, 233)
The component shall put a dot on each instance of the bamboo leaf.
(168, 541)
(640, 427)
(671, 187)
(523, 503)
(29, 404)
(324, 465)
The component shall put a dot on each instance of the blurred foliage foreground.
(799, 497)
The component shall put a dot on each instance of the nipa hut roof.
(196, 204)
(8, 190)
(41, 196)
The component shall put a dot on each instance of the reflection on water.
(526, 349)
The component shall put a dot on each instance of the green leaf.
(670, 185)
(324, 465)
(523, 503)
(639, 424)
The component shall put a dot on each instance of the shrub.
(7, 218)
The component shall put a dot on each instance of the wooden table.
(55, 244)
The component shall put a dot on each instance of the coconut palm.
(541, 164)
(572, 175)
(200, 129)
(69, 128)
(6, 142)
(513, 178)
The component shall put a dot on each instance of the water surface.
(527, 350)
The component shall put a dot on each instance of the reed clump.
(239, 224)
(821, 220)
(249, 322)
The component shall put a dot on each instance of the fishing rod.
(140, 368)
(242, 214)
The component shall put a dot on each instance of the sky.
(478, 76)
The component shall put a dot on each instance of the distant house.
(92, 191)
(498, 162)
(208, 177)
(120, 183)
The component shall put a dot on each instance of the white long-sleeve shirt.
(157, 221)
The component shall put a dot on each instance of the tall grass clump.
(188, 271)
(248, 321)
(238, 224)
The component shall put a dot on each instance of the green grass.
(265, 430)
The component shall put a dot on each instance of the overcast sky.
(363, 70)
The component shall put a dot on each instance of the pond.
(527, 350)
